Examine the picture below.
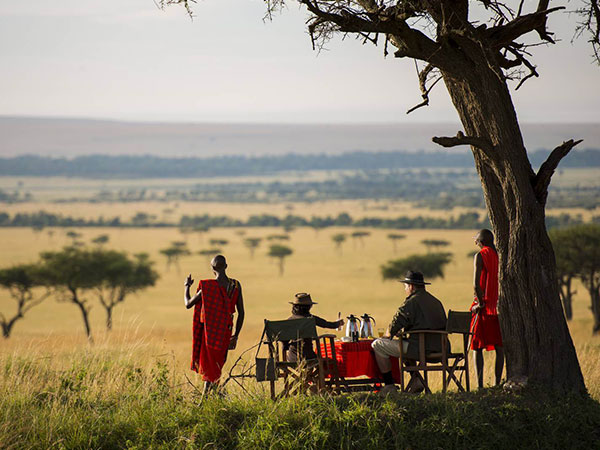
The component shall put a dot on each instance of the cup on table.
(380, 332)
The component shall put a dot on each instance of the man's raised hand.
(189, 280)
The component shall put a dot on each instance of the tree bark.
(536, 337)
(84, 314)
(108, 318)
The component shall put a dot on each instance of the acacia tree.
(430, 265)
(70, 272)
(338, 239)
(476, 53)
(20, 281)
(252, 243)
(280, 252)
(395, 237)
(175, 251)
(566, 268)
(578, 255)
(359, 236)
(118, 276)
(434, 243)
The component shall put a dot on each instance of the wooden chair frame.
(300, 376)
(446, 362)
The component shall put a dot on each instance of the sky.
(128, 60)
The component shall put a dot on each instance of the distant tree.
(74, 236)
(431, 265)
(434, 243)
(118, 276)
(209, 252)
(101, 239)
(185, 231)
(20, 281)
(472, 254)
(316, 225)
(289, 228)
(175, 251)
(70, 272)
(241, 233)
(50, 234)
(142, 219)
(395, 237)
(579, 247)
(278, 237)
(567, 266)
(252, 244)
(200, 230)
(37, 228)
(220, 242)
(280, 252)
(338, 240)
(359, 236)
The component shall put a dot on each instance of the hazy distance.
(73, 137)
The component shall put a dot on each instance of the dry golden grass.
(156, 322)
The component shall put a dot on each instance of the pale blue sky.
(126, 59)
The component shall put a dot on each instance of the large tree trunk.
(536, 337)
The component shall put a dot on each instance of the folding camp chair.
(447, 362)
(320, 374)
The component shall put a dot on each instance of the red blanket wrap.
(484, 324)
(213, 321)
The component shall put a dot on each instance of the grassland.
(157, 322)
(130, 389)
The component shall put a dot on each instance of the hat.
(302, 298)
(414, 278)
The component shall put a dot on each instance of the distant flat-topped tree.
(430, 265)
(21, 281)
(280, 252)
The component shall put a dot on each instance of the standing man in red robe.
(214, 304)
(484, 324)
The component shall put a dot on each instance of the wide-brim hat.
(415, 278)
(302, 298)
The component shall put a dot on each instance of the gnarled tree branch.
(461, 139)
(546, 170)
(502, 35)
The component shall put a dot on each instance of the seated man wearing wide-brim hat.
(420, 311)
(301, 309)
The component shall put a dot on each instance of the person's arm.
(187, 299)
(240, 319)
(478, 267)
(402, 319)
(326, 324)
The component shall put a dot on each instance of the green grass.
(99, 399)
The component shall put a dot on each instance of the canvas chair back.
(288, 330)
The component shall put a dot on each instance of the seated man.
(300, 309)
(420, 311)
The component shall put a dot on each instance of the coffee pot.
(366, 327)
(352, 330)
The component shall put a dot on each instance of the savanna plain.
(60, 384)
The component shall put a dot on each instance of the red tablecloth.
(356, 359)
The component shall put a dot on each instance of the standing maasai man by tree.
(484, 324)
(214, 303)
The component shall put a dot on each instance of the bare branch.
(461, 139)
(423, 75)
(546, 170)
(503, 35)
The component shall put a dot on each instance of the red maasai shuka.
(213, 320)
(484, 324)
(357, 359)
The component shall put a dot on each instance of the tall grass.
(108, 398)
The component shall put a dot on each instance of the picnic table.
(357, 366)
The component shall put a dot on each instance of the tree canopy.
(430, 265)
